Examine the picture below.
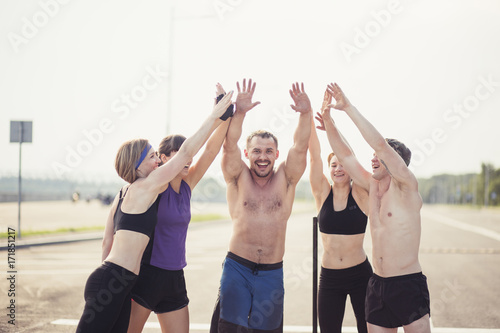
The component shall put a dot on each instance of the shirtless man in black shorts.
(397, 294)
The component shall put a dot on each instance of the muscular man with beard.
(260, 199)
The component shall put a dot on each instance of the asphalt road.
(460, 254)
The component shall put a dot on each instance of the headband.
(143, 155)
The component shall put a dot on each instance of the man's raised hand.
(341, 101)
(244, 99)
(300, 98)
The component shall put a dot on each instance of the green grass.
(207, 217)
(29, 232)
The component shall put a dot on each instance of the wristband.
(229, 110)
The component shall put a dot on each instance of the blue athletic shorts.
(251, 295)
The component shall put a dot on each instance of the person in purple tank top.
(161, 286)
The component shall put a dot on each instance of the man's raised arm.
(340, 146)
(391, 160)
(232, 164)
(296, 161)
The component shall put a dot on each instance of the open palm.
(341, 101)
(244, 99)
(300, 98)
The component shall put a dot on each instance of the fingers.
(253, 87)
(297, 89)
(219, 89)
(327, 95)
(334, 89)
(250, 88)
(331, 90)
(226, 100)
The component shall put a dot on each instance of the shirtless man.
(397, 294)
(260, 200)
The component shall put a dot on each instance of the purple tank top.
(174, 214)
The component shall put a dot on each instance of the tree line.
(481, 189)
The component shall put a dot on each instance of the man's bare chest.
(270, 199)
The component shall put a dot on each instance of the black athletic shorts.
(396, 301)
(160, 290)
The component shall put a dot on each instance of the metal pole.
(170, 66)
(474, 189)
(19, 183)
(315, 275)
(486, 185)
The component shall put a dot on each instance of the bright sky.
(93, 74)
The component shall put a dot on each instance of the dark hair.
(401, 149)
(263, 134)
(170, 143)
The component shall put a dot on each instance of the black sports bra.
(144, 223)
(350, 221)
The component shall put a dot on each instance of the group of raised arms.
(144, 243)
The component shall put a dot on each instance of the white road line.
(299, 329)
(461, 225)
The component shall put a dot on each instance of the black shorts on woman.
(160, 290)
(107, 299)
(107, 292)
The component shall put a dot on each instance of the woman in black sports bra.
(132, 220)
(345, 269)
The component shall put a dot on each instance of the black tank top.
(350, 221)
(144, 223)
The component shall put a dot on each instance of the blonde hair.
(126, 158)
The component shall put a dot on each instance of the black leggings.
(334, 286)
(107, 300)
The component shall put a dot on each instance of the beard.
(262, 174)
